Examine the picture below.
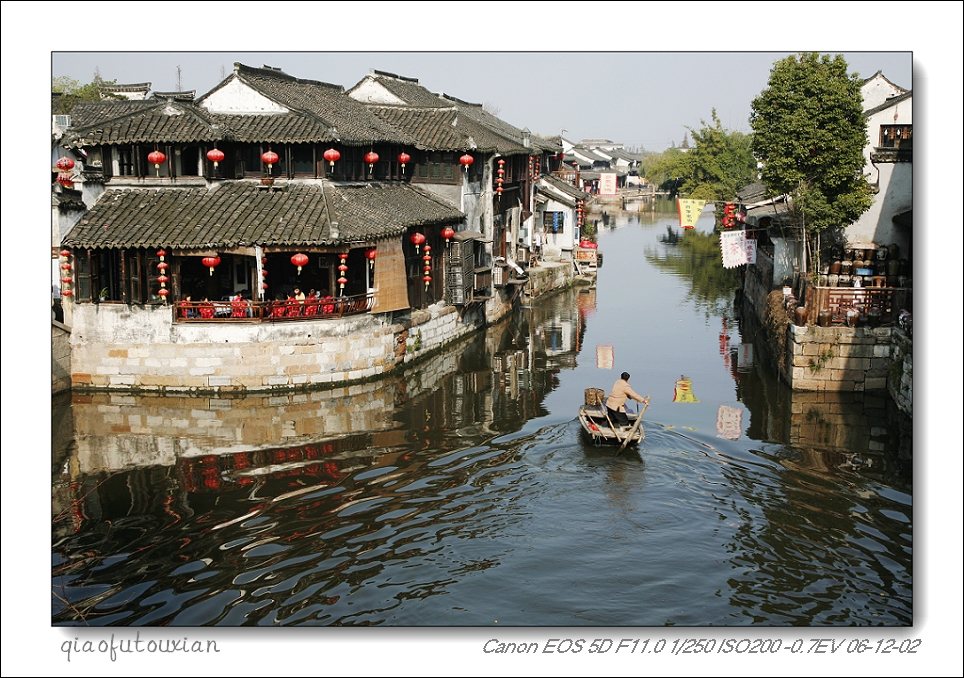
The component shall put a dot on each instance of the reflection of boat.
(598, 427)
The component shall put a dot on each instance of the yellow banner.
(689, 211)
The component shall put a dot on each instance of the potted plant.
(102, 295)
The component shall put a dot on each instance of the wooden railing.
(244, 311)
(883, 303)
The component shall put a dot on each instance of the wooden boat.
(598, 427)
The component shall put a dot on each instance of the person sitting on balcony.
(239, 307)
(185, 308)
(293, 305)
(206, 309)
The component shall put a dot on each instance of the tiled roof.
(330, 104)
(498, 125)
(184, 95)
(408, 90)
(239, 213)
(561, 186)
(160, 121)
(888, 103)
(85, 114)
(445, 129)
(278, 128)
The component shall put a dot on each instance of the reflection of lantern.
(371, 158)
(404, 158)
(683, 392)
(370, 255)
(157, 159)
(466, 161)
(299, 260)
(448, 233)
(269, 158)
(332, 155)
(417, 240)
(65, 164)
(211, 262)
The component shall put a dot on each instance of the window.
(303, 159)
(896, 136)
(125, 161)
(553, 222)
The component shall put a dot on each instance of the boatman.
(616, 400)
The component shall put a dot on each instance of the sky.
(641, 99)
(545, 67)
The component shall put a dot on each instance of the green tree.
(73, 92)
(719, 163)
(666, 169)
(809, 131)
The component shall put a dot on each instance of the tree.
(809, 131)
(719, 164)
(665, 169)
(72, 92)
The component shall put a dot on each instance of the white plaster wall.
(372, 92)
(877, 91)
(237, 97)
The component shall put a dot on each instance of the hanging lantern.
(428, 279)
(370, 255)
(343, 269)
(67, 293)
(65, 254)
(417, 240)
(404, 158)
(448, 233)
(332, 155)
(163, 292)
(65, 164)
(64, 180)
(466, 161)
(269, 158)
(299, 260)
(161, 254)
(67, 280)
(157, 159)
(211, 263)
(215, 156)
(65, 267)
(371, 158)
(162, 266)
(162, 279)
(264, 285)
(264, 273)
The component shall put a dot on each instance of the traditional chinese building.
(212, 222)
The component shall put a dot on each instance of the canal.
(461, 492)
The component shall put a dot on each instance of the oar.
(632, 431)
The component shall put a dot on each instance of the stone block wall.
(59, 357)
(549, 276)
(900, 380)
(838, 358)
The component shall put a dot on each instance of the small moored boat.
(598, 427)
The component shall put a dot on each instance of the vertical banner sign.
(604, 357)
(734, 249)
(729, 422)
(607, 183)
(689, 211)
(750, 251)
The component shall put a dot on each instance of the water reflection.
(460, 492)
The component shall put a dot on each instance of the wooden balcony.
(271, 311)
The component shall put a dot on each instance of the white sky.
(625, 95)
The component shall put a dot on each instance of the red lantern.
(448, 233)
(162, 279)
(370, 255)
(404, 158)
(157, 159)
(371, 158)
(67, 293)
(264, 273)
(65, 164)
(332, 155)
(211, 262)
(264, 285)
(341, 283)
(215, 156)
(161, 253)
(64, 180)
(67, 280)
(162, 266)
(417, 240)
(299, 260)
(466, 160)
(65, 254)
(269, 158)
(65, 266)
(163, 292)
(428, 279)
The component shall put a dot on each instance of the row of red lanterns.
(332, 155)
(64, 178)
(65, 277)
(162, 275)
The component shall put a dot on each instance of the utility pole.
(178, 88)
